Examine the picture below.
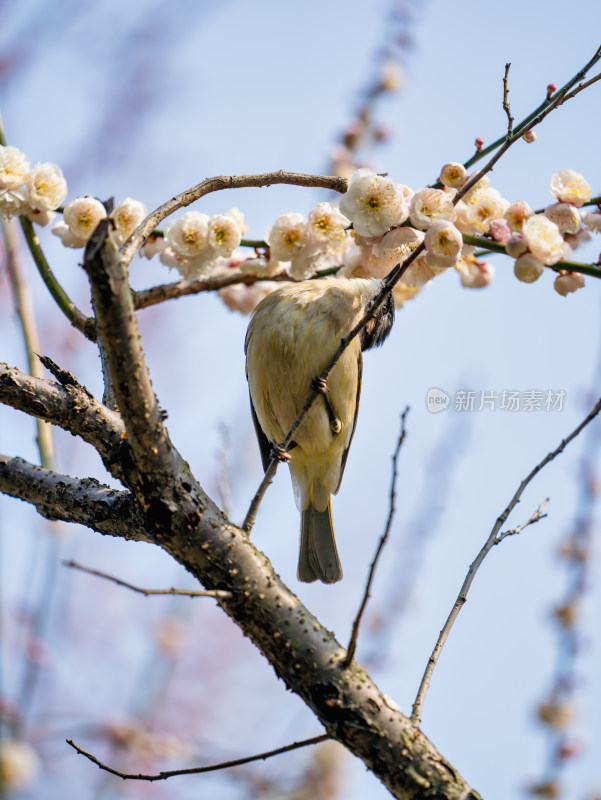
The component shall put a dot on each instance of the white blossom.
(443, 244)
(528, 268)
(475, 274)
(42, 218)
(500, 230)
(46, 187)
(188, 235)
(569, 186)
(485, 205)
(127, 216)
(544, 239)
(238, 218)
(327, 224)
(224, 234)
(373, 203)
(242, 298)
(12, 203)
(82, 216)
(14, 167)
(429, 205)
(287, 236)
(483, 183)
(453, 175)
(153, 245)
(516, 214)
(65, 234)
(568, 282)
(565, 215)
(516, 246)
(592, 220)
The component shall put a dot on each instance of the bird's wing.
(345, 454)
(264, 443)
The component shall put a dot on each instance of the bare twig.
(352, 645)
(492, 540)
(506, 106)
(161, 776)
(216, 184)
(217, 593)
(535, 517)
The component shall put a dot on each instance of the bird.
(293, 334)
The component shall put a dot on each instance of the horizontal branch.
(69, 406)
(61, 497)
(216, 184)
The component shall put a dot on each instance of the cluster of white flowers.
(35, 193)
(194, 244)
(81, 216)
(379, 223)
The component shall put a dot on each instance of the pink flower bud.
(529, 136)
(551, 89)
(479, 143)
(528, 268)
(499, 230)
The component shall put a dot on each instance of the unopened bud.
(479, 143)
(551, 89)
(529, 136)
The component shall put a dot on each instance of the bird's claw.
(280, 453)
(321, 386)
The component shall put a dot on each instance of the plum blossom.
(516, 214)
(188, 235)
(224, 234)
(82, 217)
(374, 203)
(14, 167)
(565, 216)
(443, 244)
(453, 175)
(287, 236)
(429, 205)
(500, 231)
(327, 224)
(483, 206)
(65, 234)
(126, 217)
(568, 282)
(569, 186)
(528, 268)
(12, 203)
(46, 187)
(475, 274)
(516, 246)
(544, 239)
(592, 220)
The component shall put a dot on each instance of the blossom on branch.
(46, 187)
(569, 186)
(374, 203)
(14, 167)
(82, 217)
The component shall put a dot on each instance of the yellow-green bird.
(293, 334)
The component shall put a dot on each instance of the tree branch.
(146, 592)
(494, 538)
(69, 406)
(217, 184)
(163, 775)
(61, 497)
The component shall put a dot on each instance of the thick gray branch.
(61, 497)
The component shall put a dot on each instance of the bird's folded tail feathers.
(318, 557)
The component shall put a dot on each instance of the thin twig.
(492, 540)
(536, 517)
(218, 593)
(352, 645)
(161, 776)
(506, 106)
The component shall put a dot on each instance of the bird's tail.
(318, 557)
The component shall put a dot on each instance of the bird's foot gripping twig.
(320, 385)
(280, 453)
